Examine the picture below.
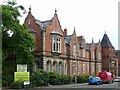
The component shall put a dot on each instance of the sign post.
(22, 74)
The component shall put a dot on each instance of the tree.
(16, 41)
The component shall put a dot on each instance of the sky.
(91, 18)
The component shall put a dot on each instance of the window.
(48, 68)
(74, 50)
(84, 68)
(92, 68)
(99, 68)
(33, 36)
(92, 55)
(28, 21)
(83, 52)
(56, 44)
(79, 68)
(99, 56)
(60, 68)
(54, 66)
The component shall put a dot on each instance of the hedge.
(82, 78)
(39, 78)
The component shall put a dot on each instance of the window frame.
(56, 44)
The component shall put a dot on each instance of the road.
(85, 86)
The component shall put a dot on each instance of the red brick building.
(109, 56)
(62, 53)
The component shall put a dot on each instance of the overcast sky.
(91, 18)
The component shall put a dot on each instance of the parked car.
(117, 79)
(106, 77)
(94, 80)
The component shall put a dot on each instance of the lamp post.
(75, 77)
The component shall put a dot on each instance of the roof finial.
(55, 11)
(105, 31)
(74, 29)
(92, 40)
(30, 8)
(99, 39)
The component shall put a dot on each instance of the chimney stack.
(65, 32)
(80, 38)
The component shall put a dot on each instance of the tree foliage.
(16, 41)
(19, 41)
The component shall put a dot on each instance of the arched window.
(54, 66)
(74, 50)
(84, 68)
(92, 55)
(28, 21)
(93, 68)
(48, 66)
(60, 68)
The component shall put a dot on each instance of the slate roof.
(56, 32)
(43, 23)
(88, 46)
(68, 38)
(117, 53)
(106, 42)
(31, 31)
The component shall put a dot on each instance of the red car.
(106, 77)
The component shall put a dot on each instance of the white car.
(117, 79)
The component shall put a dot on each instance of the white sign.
(21, 68)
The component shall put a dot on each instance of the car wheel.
(98, 83)
(89, 83)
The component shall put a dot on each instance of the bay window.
(56, 44)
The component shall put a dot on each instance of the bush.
(82, 78)
(39, 78)
(7, 80)
(65, 79)
(17, 85)
(54, 78)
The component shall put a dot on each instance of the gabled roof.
(106, 42)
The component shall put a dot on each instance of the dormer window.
(33, 34)
(56, 41)
(56, 44)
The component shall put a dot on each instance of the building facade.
(110, 56)
(56, 51)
